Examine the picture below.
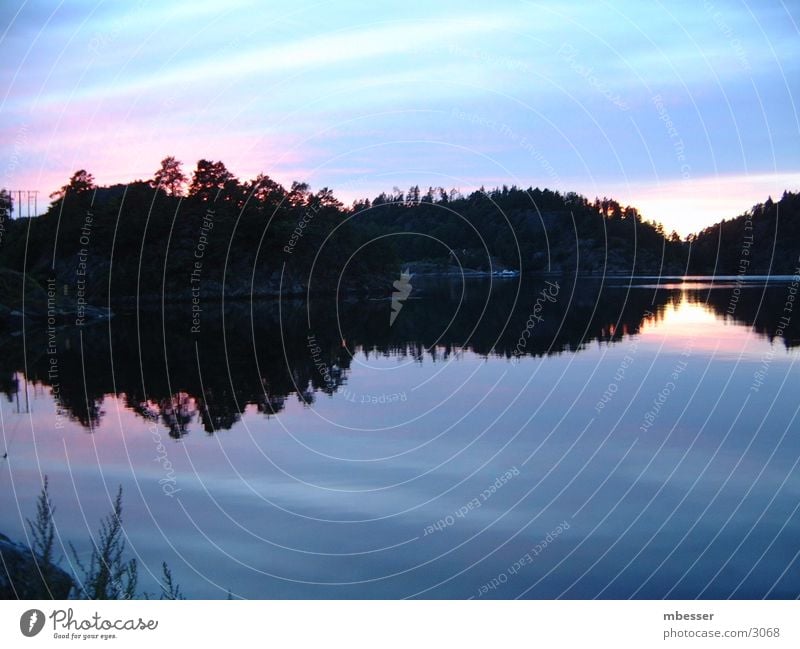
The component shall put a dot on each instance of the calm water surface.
(606, 439)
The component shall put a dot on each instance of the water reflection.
(258, 354)
(348, 452)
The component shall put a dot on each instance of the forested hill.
(185, 237)
(763, 240)
(529, 229)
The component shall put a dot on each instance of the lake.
(520, 437)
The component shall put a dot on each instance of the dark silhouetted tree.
(209, 179)
(325, 198)
(299, 194)
(265, 191)
(80, 183)
(6, 205)
(170, 177)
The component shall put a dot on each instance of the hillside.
(147, 239)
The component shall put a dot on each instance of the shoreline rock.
(23, 575)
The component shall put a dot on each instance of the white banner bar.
(401, 624)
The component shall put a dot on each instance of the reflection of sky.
(544, 94)
(342, 491)
(691, 326)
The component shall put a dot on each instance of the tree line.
(145, 234)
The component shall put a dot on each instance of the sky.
(687, 110)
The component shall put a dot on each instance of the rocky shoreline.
(24, 575)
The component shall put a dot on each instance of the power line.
(23, 207)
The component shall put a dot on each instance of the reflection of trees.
(9, 384)
(177, 413)
(177, 379)
(761, 308)
(590, 312)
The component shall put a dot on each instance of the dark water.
(601, 439)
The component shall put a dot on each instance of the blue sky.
(688, 110)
